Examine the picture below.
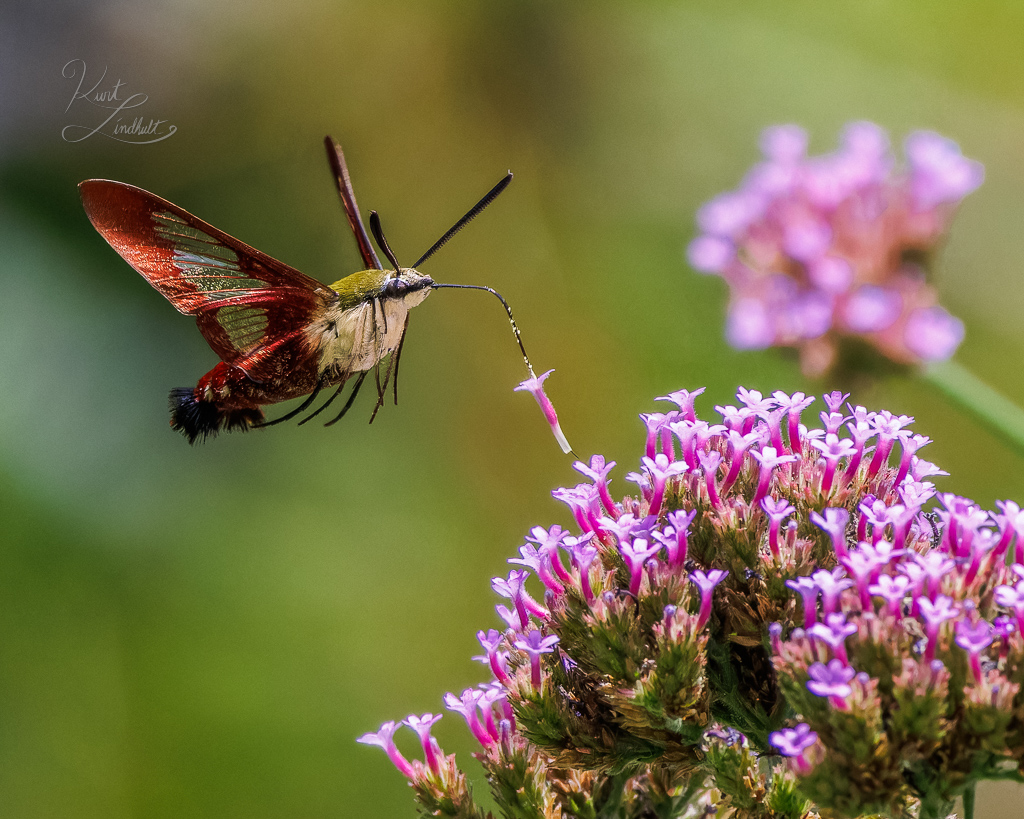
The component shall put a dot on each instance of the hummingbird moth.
(279, 333)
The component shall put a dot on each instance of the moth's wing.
(348, 199)
(260, 333)
(247, 304)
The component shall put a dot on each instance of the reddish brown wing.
(247, 304)
(339, 167)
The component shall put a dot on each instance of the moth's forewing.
(250, 307)
(348, 200)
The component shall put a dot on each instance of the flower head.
(793, 742)
(815, 249)
(832, 681)
(535, 386)
(761, 568)
(385, 738)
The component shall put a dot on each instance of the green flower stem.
(969, 802)
(997, 411)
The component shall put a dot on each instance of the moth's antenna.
(378, 234)
(511, 318)
(474, 211)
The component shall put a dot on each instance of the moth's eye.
(394, 287)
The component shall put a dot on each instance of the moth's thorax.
(368, 318)
(365, 285)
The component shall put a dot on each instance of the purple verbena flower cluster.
(911, 645)
(772, 592)
(821, 249)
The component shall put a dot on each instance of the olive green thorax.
(360, 287)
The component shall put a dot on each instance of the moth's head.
(407, 281)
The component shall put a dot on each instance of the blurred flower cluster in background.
(818, 248)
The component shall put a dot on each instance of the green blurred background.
(204, 632)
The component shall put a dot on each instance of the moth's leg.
(320, 384)
(328, 402)
(398, 355)
(379, 340)
(351, 398)
(382, 392)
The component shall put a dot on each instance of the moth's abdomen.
(198, 419)
(218, 403)
(226, 399)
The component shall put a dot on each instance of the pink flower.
(534, 385)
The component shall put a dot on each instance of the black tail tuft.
(198, 420)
